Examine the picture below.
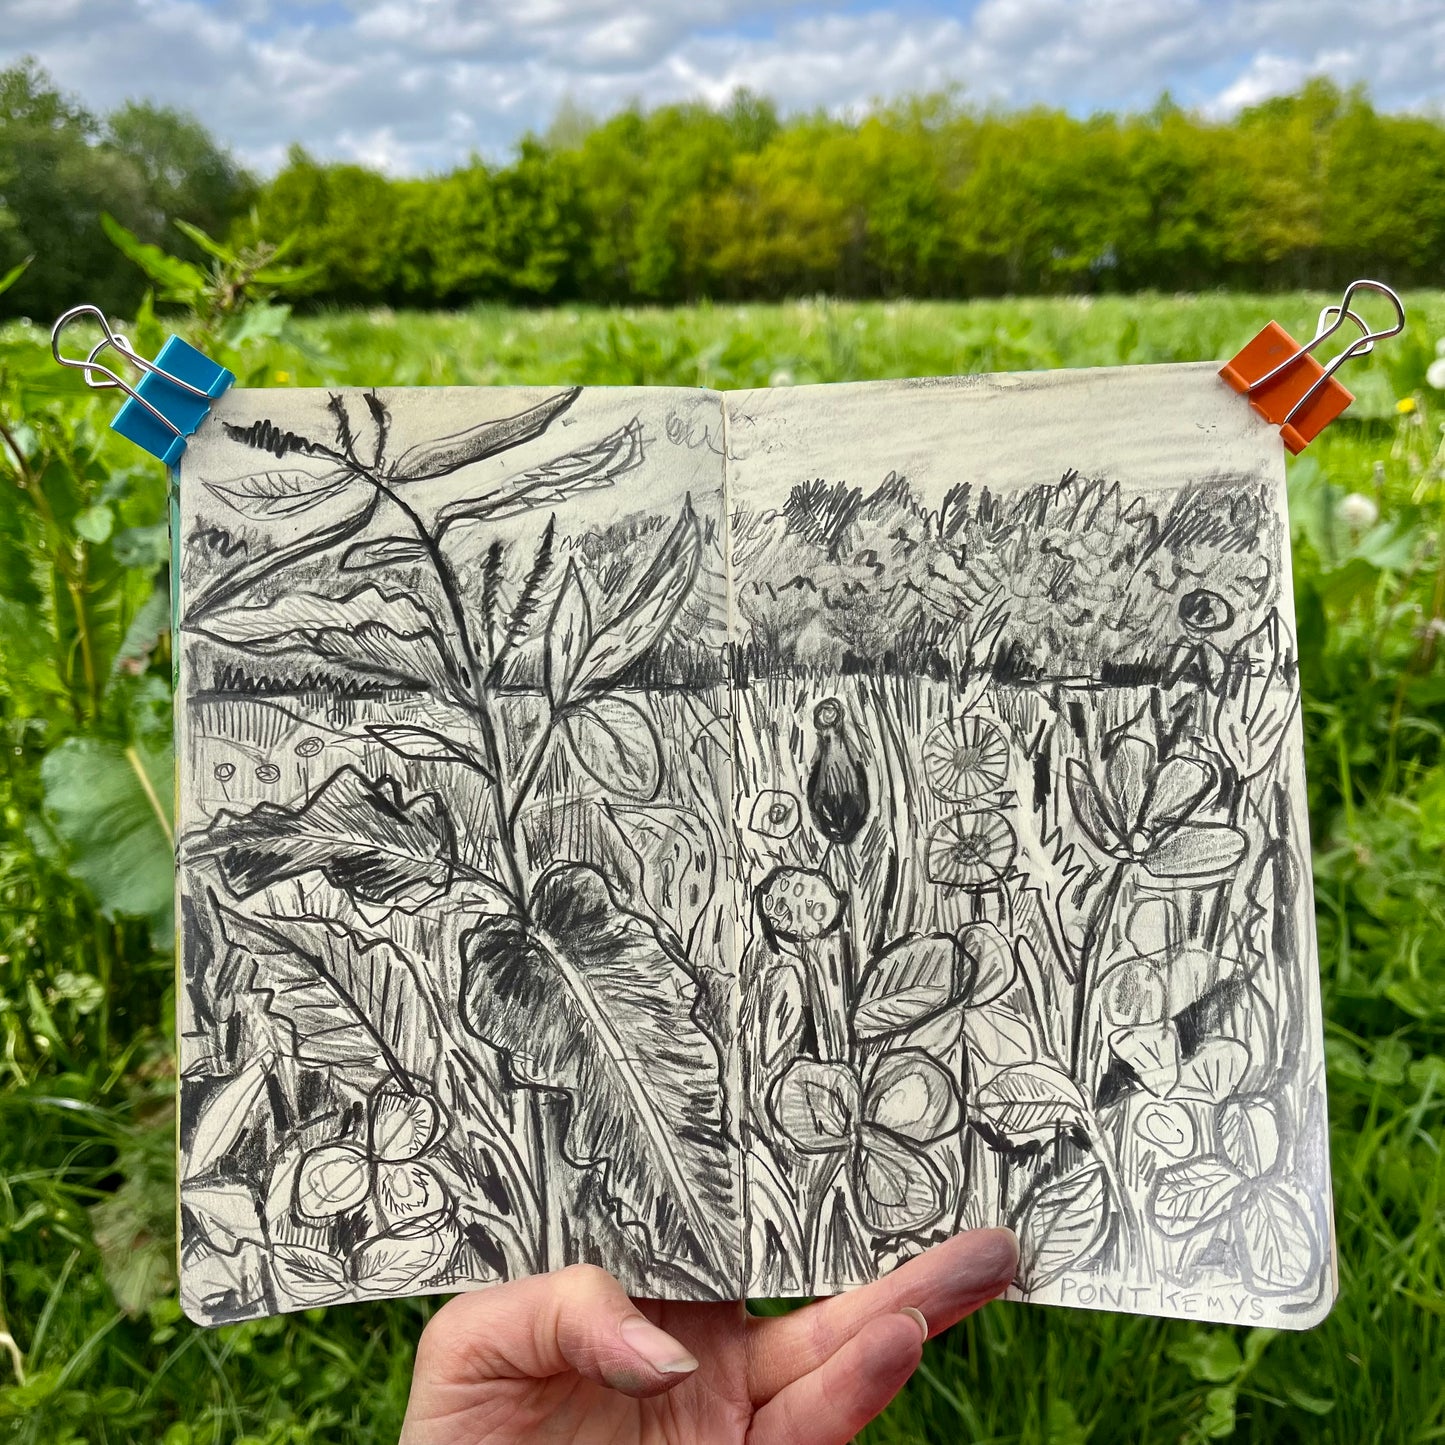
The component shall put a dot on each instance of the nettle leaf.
(383, 634)
(550, 485)
(1063, 1225)
(1194, 1195)
(1030, 1102)
(361, 834)
(569, 634)
(425, 745)
(383, 552)
(588, 999)
(112, 807)
(450, 454)
(909, 982)
(616, 744)
(643, 619)
(1280, 1249)
(262, 496)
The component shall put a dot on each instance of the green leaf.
(206, 243)
(615, 743)
(112, 808)
(178, 280)
(14, 274)
(362, 835)
(1208, 1355)
(590, 1000)
(95, 523)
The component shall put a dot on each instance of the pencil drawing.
(743, 866)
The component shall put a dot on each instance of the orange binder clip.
(1285, 383)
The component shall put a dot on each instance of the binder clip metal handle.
(172, 397)
(1288, 386)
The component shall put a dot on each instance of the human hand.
(568, 1357)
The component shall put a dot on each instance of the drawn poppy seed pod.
(837, 783)
(799, 907)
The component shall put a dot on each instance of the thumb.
(577, 1319)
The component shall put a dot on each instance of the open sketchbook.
(741, 840)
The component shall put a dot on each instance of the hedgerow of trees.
(926, 197)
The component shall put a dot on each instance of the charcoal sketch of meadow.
(457, 906)
(1021, 827)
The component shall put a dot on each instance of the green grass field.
(92, 1345)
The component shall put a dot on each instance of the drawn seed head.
(965, 760)
(409, 1192)
(332, 1179)
(828, 715)
(309, 747)
(972, 850)
(775, 815)
(798, 904)
(268, 773)
(224, 772)
(1133, 993)
(1202, 612)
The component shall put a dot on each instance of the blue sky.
(417, 85)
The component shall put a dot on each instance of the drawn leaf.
(912, 1096)
(900, 1190)
(225, 1213)
(401, 1260)
(614, 740)
(1152, 1052)
(383, 634)
(1249, 1134)
(265, 495)
(569, 633)
(1063, 1225)
(225, 1114)
(909, 982)
(1001, 1032)
(1259, 695)
(775, 1233)
(409, 1193)
(1215, 1071)
(1279, 1242)
(362, 835)
(816, 1105)
(450, 454)
(780, 1014)
(590, 1000)
(551, 484)
(383, 552)
(993, 965)
(1030, 1101)
(649, 610)
(676, 858)
(309, 1277)
(424, 745)
(1193, 1195)
(331, 1179)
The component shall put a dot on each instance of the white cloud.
(417, 84)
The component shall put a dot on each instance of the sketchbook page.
(1022, 815)
(455, 948)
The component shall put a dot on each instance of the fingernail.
(917, 1317)
(656, 1346)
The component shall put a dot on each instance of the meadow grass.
(92, 1346)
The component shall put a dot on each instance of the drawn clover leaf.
(882, 1128)
(1144, 812)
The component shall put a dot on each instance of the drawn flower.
(1202, 612)
(774, 815)
(971, 850)
(883, 1127)
(1143, 812)
(965, 760)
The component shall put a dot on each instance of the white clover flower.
(1358, 512)
(781, 377)
(1435, 373)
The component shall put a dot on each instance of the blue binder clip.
(170, 400)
